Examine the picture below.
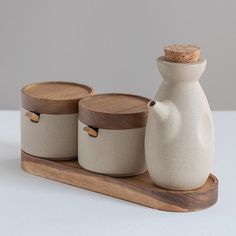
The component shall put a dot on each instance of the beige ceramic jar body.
(112, 152)
(179, 140)
(54, 136)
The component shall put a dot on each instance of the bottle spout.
(160, 110)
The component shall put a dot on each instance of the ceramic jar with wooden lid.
(111, 134)
(49, 117)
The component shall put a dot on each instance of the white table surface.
(31, 205)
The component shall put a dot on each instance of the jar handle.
(91, 131)
(32, 116)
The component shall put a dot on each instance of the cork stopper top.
(182, 53)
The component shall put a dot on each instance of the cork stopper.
(182, 53)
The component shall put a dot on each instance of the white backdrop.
(112, 45)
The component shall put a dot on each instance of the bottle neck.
(180, 72)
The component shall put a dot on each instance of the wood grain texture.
(114, 111)
(182, 53)
(137, 189)
(90, 131)
(54, 97)
(32, 116)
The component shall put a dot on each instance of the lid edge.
(113, 121)
(52, 106)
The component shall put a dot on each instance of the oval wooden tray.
(138, 189)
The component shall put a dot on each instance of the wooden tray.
(138, 189)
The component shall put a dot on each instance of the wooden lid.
(114, 111)
(53, 97)
(182, 53)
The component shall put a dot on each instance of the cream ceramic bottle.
(179, 139)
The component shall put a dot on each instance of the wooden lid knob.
(182, 53)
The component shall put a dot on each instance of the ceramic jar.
(111, 134)
(180, 133)
(49, 117)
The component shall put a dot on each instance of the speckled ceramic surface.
(179, 142)
(112, 152)
(54, 136)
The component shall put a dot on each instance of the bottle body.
(180, 149)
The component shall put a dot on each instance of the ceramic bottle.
(179, 139)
